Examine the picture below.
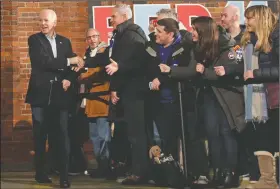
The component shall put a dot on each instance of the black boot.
(64, 180)
(231, 180)
(42, 178)
(218, 179)
(102, 170)
(64, 184)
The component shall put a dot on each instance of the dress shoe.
(64, 184)
(133, 180)
(218, 179)
(231, 180)
(42, 178)
(97, 173)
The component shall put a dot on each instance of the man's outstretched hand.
(112, 67)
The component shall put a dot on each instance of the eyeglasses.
(93, 36)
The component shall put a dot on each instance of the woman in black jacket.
(221, 97)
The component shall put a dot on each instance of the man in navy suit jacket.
(50, 92)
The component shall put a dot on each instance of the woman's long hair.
(266, 21)
(208, 35)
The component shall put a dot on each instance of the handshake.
(77, 63)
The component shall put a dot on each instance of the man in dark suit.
(50, 92)
(128, 85)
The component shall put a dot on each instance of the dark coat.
(237, 69)
(227, 89)
(128, 51)
(269, 63)
(183, 54)
(268, 71)
(43, 90)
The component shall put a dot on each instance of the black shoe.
(218, 179)
(64, 184)
(231, 180)
(42, 178)
(96, 173)
(103, 171)
(117, 170)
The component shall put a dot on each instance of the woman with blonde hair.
(261, 73)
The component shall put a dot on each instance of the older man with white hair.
(51, 92)
(128, 85)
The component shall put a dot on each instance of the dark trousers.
(261, 137)
(221, 139)
(58, 133)
(197, 159)
(77, 131)
(167, 120)
(268, 133)
(247, 161)
(120, 147)
(136, 131)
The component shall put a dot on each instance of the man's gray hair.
(168, 13)
(124, 9)
(92, 29)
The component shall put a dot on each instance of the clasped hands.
(76, 61)
(220, 71)
(73, 61)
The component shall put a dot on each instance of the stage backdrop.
(99, 16)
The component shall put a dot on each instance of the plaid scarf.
(254, 94)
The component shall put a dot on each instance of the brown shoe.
(133, 180)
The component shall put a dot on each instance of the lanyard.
(112, 41)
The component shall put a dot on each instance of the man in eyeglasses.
(96, 105)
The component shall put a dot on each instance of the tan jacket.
(96, 108)
(96, 82)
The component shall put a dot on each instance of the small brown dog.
(155, 153)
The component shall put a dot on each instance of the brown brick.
(43, 5)
(28, 9)
(32, 4)
(21, 4)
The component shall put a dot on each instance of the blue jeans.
(100, 135)
(221, 139)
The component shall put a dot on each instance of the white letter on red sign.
(187, 11)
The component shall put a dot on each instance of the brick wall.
(18, 21)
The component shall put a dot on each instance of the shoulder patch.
(230, 55)
(237, 47)
(151, 51)
(178, 52)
